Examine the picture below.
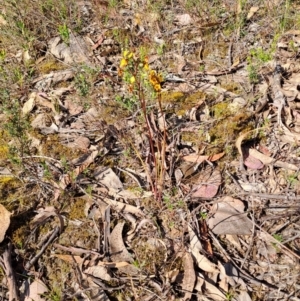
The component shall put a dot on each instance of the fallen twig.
(30, 263)
(76, 250)
(271, 196)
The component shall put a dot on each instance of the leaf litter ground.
(76, 168)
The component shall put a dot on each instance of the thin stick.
(271, 196)
(30, 263)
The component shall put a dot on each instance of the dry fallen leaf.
(269, 160)
(4, 221)
(228, 217)
(209, 289)
(36, 289)
(202, 262)
(199, 159)
(207, 184)
(29, 104)
(108, 178)
(119, 252)
(117, 247)
(253, 163)
(189, 277)
(98, 272)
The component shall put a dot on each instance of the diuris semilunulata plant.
(142, 82)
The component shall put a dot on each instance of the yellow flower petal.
(125, 53)
(123, 63)
(157, 88)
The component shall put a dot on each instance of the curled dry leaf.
(117, 247)
(118, 250)
(36, 289)
(4, 221)
(229, 218)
